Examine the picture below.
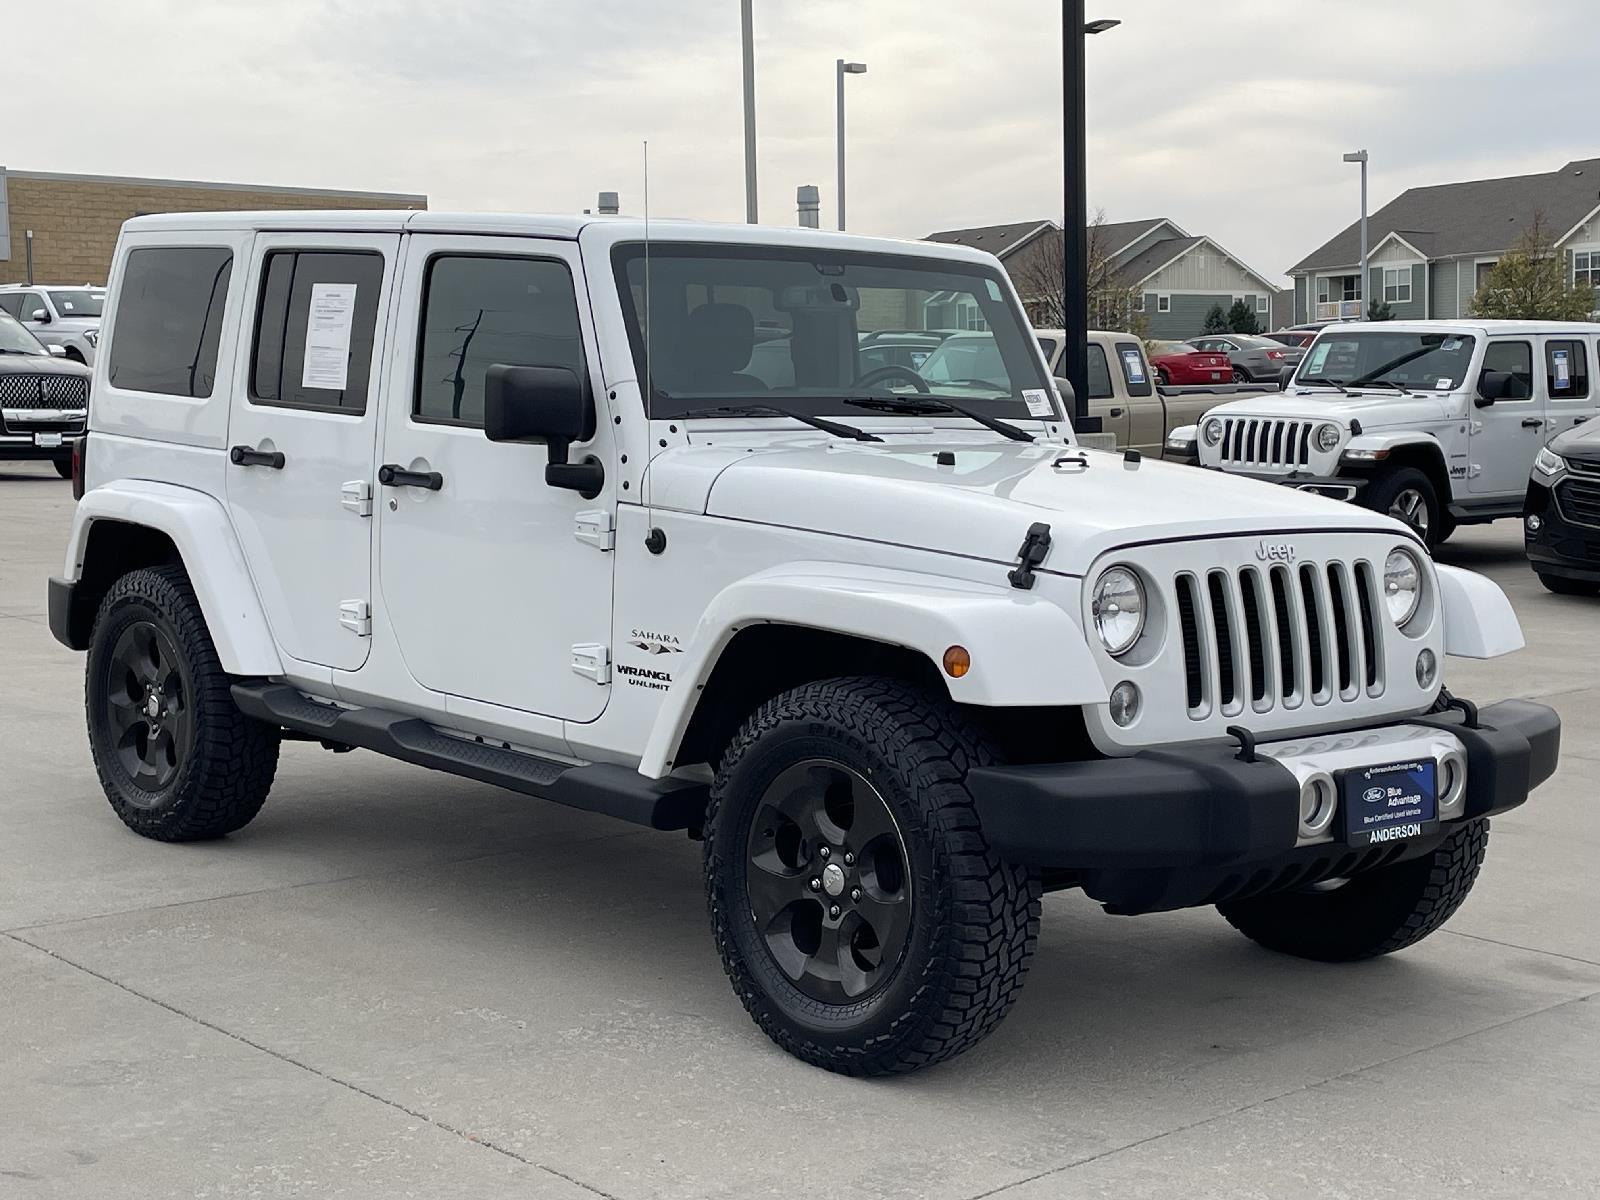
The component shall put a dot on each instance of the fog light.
(1125, 704)
(1535, 522)
(1427, 669)
(1317, 805)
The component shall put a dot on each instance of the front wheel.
(861, 917)
(1367, 915)
(177, 759)
(1240, 376)
(1408, 495)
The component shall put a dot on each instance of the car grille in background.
(58, 391)
(1267, 442)
(1580, 500)
(1262, 638)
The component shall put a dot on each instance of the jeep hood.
(1375, 410)
(982, 507)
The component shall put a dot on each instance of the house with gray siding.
(1173, 276)
(1431, 248)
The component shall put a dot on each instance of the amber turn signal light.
(957, 662)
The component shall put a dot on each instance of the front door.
(302, 433)
(1508, 433)
(1103, 399)
(489, 588)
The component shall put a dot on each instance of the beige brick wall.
(75, 221)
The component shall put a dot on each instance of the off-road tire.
(223, 779)
(975, 918)
(1569, 587)
(63, 466)
(1382, 493)
(1371, 914)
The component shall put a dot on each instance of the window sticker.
(1443, 385)
(1319, 357)
(1133, 366)
(994, 290)
(1450, 344)
(328, 325)
(1560, 371)
(1038, 402)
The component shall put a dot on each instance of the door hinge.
(1475, 470)
(595, 529)
(357, 497)
(592, 660)
(356, 616)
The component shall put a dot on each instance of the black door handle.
(249, 456)
(394, 475)
(1116, 412)
(1531, 422)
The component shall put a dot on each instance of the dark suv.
(44, 399)
(1561, 516)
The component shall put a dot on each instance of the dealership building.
(69, 223)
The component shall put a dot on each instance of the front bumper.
(1560, 547)
(1335, 487)
(26, 448)
(1193, 825)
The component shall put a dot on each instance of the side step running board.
(605, 788)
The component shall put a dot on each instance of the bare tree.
(1039, 272)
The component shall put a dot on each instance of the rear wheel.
(1163, 377)
(1569, 587)
(177, 759)
(862, 919)
(1408, 495)
(1376, 913)
(1240, 376)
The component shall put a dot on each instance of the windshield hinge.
(594, 528)
(1034, 547)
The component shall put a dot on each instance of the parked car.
(1182, 362)
(1133, 412)
(1561, 514)
(68, 317)
(1253, 358)
(1292, 337)
(897, 348)
(900, 663)
(44, 398)
(1434, 422)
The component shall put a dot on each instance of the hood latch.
(1034, 547)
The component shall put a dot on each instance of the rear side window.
(315, 327)
(479, 311)
(1099, 374)
(11, 302)
(1516, 359)
(1566, 368)
(1133, 370)
(169, 320)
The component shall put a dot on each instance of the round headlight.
(1118, 607)
(1211, 431)
(1402, 585)
(1327, 437)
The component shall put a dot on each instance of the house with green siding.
(1173, 276)
(1431, 248)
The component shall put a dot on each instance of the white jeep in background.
(500, 496)
(68, 317)
(1436, 423)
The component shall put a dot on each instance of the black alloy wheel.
(827, 881)
(148, 708)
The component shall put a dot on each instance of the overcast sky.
(1228, 117)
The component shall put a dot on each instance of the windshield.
(77, 303)
(1419, 361)
(795, 326)
(14, 339)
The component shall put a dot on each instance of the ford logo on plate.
(1374, 795)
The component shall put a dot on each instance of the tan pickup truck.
(1124, 395)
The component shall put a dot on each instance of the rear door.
(303, 432)
(1569, 393)
(1104, 402)
(1507, 434)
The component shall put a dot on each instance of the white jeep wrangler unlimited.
(497, 496)
(1436, 423)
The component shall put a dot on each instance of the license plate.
(1215, 375)
(47, 441)
(1389, 803)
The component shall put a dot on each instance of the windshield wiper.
(836, 428)
(1333, 383)
(928, 406)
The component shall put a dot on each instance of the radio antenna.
(648, 390)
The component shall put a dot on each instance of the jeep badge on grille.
(1275, 552)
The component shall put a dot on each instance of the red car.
(1179, 362)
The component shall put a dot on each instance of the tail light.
(1274, 354)
(79, 448)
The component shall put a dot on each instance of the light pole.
(842, 69)
(1075, 220)
(1360, 156)
(750, 209)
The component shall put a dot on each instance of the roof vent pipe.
(810, 202)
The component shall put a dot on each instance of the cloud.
(1229, 119)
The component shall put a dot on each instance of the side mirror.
(544, 404)
(1285, 378)
(57, 351)
(1069, 398)
(39, 315)
(1492, 386)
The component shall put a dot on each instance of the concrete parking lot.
(396, 983)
